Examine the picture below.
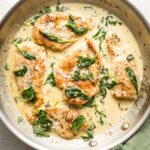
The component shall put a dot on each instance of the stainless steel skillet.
(9, 113)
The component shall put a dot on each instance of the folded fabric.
(140, 141)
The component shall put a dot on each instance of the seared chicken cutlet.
(59, 30)
(29, 70)
(65, 120)
(124, 89)
(78, 75)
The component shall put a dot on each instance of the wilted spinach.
(100, 35)
(102, 115)
(25, 54)
(89, 132)
(55, 38)
(21, 72)
(51, 78)
(6, 67)
(132, 78)
(110, 20)
(42, 125)
(84, 62)
(32, 20)
(130, 57)
(77, 75)
(29, 95)
(106, 81)
(73, 92)
(77, 124)
(60, 7)
(72, 26)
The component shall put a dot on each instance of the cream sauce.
(114, 109)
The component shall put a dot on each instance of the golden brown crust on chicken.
(55, 24)
(63, 119)
(124, 88)
(35, 70)
(63, 73)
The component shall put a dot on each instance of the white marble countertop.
(7, 140)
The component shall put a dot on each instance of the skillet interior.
(136, 117)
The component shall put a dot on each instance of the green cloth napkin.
(140, 141)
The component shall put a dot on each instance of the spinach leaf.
(73, 92)
(100, 35)
(90, 103)
(106, 82)
(29, 95)
(6, 67)
(84, 62)
(32, 20)
(21, 72)
(60, 7)
(102, 115)
(72, 26)
(42, 125)
(130, 57)
(132, 78)
(25, 54)
(28, 55)
(89, 132)
(20, 119)
(17, 41)
(89, 8)
(105, 71)
(110, 20)
(51, 78)
(77, 75)
(103, 88)
(55, 38)
(110, 83)
(77, 124)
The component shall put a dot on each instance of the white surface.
(7, 140)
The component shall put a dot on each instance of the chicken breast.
(63, 121)
(51, 30)
(124, 88)
(31, 57)
(79, 73)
